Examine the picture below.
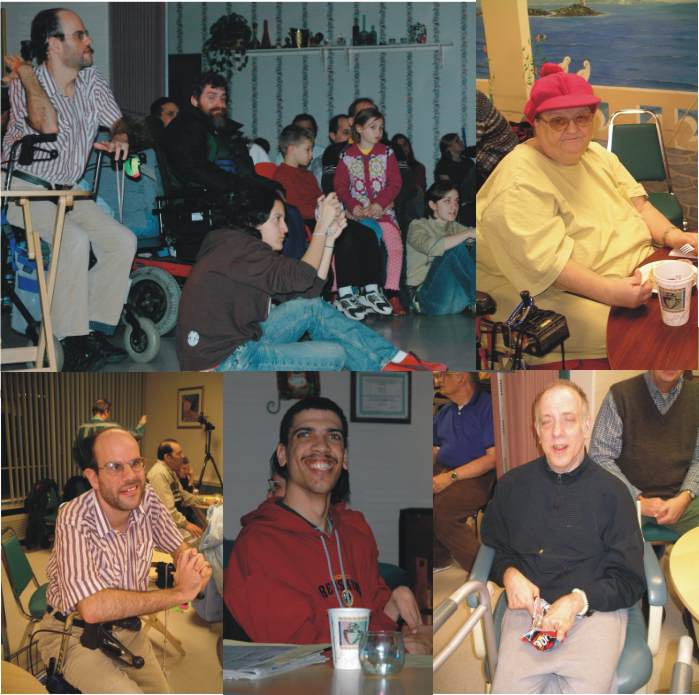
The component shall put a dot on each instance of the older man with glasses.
(562, 218)
(99, 565)
(463, 460)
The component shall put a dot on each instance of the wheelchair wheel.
(155, 295)
(142, 343)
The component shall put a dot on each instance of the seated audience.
(647, 434)
(441, 268)
(400, 143)
(494, 137)
(367, 182)
(564, 530)
(278, 585)
(453, 164)
(315, 166)
(203, 146)
(357, 252)
(163, 478)
(562, 218)
(162, 112)
(226, 318)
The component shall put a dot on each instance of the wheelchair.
(141, 339)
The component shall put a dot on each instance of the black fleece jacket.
(575, 530)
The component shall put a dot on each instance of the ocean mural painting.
(630, 43)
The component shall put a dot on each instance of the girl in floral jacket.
(367, 181)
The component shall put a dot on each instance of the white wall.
(390, 465)
(95, 16)
(267, 94)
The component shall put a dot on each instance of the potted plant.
(225, 48)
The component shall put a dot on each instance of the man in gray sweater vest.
(647, 434)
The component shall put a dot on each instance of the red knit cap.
(556, 89)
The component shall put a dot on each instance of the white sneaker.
(351, 307)
(376, 301)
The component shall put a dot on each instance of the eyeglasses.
(117, 468)
(560, 123)
(79, 35)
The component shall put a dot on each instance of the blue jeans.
(450, 285)
(336, 342)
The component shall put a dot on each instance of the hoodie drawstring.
(340, 602)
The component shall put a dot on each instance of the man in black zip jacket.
(566, 531)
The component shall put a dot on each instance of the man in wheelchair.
(98, 573)
(564, 530)
(205, 148)
(67, 96)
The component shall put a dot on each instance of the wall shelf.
(350, 51)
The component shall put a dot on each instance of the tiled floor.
(448, 339)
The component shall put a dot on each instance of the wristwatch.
(453, 475)
(692, 496)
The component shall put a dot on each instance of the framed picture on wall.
(190, 405)
(380, 397)
(298, 385)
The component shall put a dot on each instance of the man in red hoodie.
(300, 555)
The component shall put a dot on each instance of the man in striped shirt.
(67, 96)
(99, 568)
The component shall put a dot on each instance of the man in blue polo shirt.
(463, 459)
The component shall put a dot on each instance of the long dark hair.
(395, 146)
(250, 206)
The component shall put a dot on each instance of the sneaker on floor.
(412, 363)
(111, 353)
(376, 301)
(397, 309)
(351, 307)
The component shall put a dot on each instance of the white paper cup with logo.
(675, 280)
(347, 625)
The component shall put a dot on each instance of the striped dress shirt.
(89, 555)
(79, 116)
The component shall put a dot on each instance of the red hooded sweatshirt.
(278, 585)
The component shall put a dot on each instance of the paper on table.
(253, 661)
(675, 252)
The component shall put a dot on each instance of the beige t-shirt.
(534, 214)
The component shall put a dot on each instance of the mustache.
(131, 483)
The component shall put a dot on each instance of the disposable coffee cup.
(674, 280)
(347, 626)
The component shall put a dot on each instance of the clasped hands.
(331, 216)
(665, 511)
(192, 573)
(521, 595)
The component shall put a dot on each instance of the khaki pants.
(92, 671)
(82, 296)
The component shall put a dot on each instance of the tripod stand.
(209, 428)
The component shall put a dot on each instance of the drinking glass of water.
(382, 653)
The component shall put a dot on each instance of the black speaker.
(183, 70)
(415, 549)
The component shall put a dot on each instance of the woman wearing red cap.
(562, 218)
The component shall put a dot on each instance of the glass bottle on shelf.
(372, 36)
(254, 42)
(355, 33)
(363, 34)
(266, 42)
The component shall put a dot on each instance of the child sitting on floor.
(357, 253)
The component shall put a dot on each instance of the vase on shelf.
(254, 42)
(266, 42)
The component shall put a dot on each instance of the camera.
(536, 331)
